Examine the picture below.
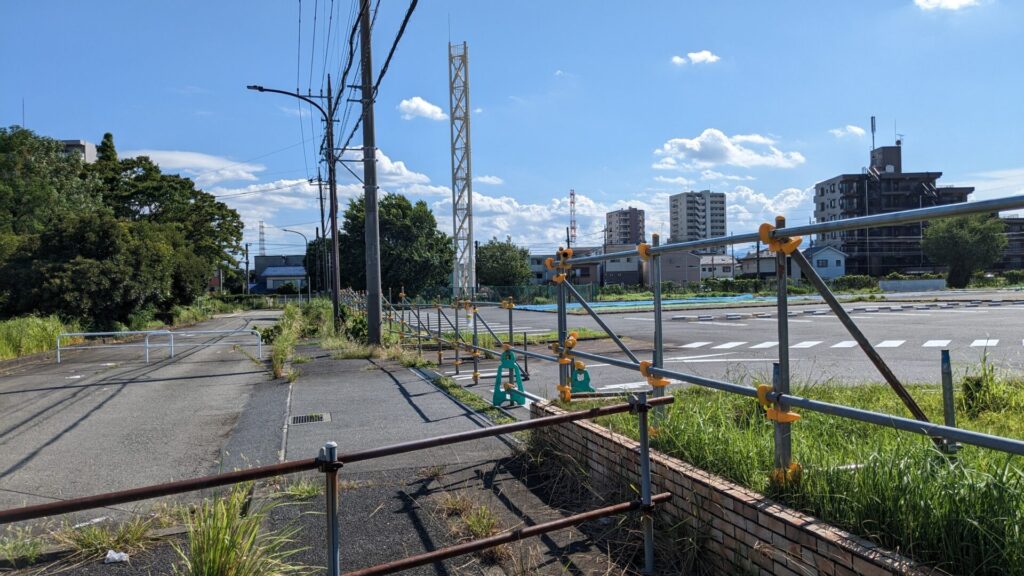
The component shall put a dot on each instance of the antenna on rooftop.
(872, 132)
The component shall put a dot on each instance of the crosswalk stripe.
(890, 344)
(728, 345)
(984, 343)
(641, 319)
(764, 345)
(695, 344)
(845, 344)
(806, 344)
(935, 343)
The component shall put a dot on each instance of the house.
(274, 277)
(717, 266)
(757, 264)
(829, 262)
(628, 270)
(680, 267)
(582, 274)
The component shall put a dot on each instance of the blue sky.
(625, 102)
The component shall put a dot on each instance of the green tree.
(413, 252)
(965, 244)
(502, 264)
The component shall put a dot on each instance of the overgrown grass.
(310, 320)
(303, 489)
(94, 540)
(31, 334)
(963, 516)
(225, 538)
(472, 400)
(19, 546)
(485, 340)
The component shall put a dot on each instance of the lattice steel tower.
(464, 277)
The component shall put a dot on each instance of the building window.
(726, 268)
(821, 263)
(839, 263)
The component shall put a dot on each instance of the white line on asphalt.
(890, 344)
(765, 319)
(764, 345)
(688, 358)
(984, 343)
(728, 345)
(968, 311)
(641, 319)
(845, 344)
(709, 323)
(804, 321)
(806, 344)
(695, 344)
(905, 314)
(727, 360)
(935, 343)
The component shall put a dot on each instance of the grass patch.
(94, 540)
(19, 547)
(344, 348)
(470, 399)
(485, 340)
(962, 516)
(225, 539)
(31, 334)
(302, 489)
(454, 504)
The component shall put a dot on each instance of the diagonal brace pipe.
(600, 322)
(851, 326)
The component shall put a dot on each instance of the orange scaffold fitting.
(772, 413)
(786, 245)
(654, 381)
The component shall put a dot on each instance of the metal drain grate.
(311, 418)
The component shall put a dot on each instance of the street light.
(309, 294)
(328, 116)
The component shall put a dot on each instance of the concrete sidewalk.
(374, 403)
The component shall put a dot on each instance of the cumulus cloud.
(746, 206)
(205, 169)
(418, 107)
(491, 180)
(703, 57)
(679, 180)
(713, 175)
(679, 60)
(944, 4)
(848, 130)
(559, 73)
(713, 148)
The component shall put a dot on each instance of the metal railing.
(777, 399)
(330, 462)
(148, 345)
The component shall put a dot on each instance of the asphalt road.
(821, 350)
(104, 420)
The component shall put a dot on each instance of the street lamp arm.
(286, 93)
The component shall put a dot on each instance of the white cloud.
(713, 175)
(994, 183)
(478, 110)
(944, 4)
(679, 60)
(714, 148)
(746, 206)
(491, 180)
(298, 111)
(559, 73)
(703, 57)
(848, 130)
(679, 180)
(205, 169)
(416, 106)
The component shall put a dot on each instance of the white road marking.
(710, 323)
(806, 344)
(728, 345)
(985, 343)
(804, 321)
(936, 343)
(845, 344)
(764, 345)
(890, 344)
(695, 344)
(641, 319)
(688, 358)
(906, 314)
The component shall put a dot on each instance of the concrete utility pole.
(372, 230)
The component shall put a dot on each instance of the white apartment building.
(697, 215)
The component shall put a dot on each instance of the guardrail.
(330, 462)
(147, 345)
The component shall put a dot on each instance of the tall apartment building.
(697, 215)
(881, 187)
(624, 226)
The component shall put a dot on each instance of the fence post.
(171, 335)
(659, 345)
(259, 344)
(476, 342)
(58, 348)
(948, 405)
(440, 347)
(327, 462)
(458, 336)
(647, 518)
(146, 339)
(526, 359)
(564, 382)
(780, 372)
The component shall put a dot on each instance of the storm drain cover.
(312, 418)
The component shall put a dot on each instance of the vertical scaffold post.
(440, 347)
(458, 337)
(327, 462)
(563, 333)
(645, 483)
(659, 346)
(948, 406)
(780, 380)
(526, 358)
(476, 342)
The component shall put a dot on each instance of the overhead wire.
(298, 68)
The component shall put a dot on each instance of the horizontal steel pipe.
(611, 361)
(499, 430)
(504, 538)
(705, 382)
(906, 424)
(155, 491)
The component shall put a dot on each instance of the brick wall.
(745, 532)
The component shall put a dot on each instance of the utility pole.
(372, 230)
(246, 285)
(321, 253)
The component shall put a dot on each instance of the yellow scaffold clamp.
(654, 381)
(772, 413)
(507, 303)
(786, 245)
(644, 249)
(787, 476)
(558, 278)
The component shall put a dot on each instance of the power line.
(298, 67)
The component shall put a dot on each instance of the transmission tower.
(464, 277)
(263, 240)
(572, 216)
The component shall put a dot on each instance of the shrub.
(1014, 276)
(854, 282)
(31, 334)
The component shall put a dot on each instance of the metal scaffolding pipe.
(600, 322)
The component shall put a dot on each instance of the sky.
(626, 102)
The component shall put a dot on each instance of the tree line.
(111, 242)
